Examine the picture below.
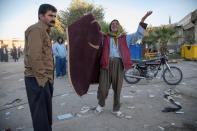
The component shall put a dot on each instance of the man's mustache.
(52, 22)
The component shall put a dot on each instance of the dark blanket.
(84, 39)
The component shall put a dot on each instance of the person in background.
(4, 53)
(15, 53)
(60, 53)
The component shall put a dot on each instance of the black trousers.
(40, 103)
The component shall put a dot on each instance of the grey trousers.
(113, 75)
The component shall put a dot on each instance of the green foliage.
(79, 8)
(189, 39)
(161, 35)
(165, 34)
(104, 26)
(58, 30)
(150, 39)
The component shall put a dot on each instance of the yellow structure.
(10, 42)
(189, 51)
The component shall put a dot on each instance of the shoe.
(118, 114)
(99, 109)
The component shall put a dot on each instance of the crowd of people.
(14, 52)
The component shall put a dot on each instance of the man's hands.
(145, 16)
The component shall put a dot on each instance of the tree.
(150, 38)
(161, 35)
(189, 39)
(165, 34)
(104, 26)
(58, 30)
(79, 8)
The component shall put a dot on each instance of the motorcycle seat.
(143, 61)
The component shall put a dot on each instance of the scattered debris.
(172, 124)
(20, 107)
(151, 96)
(85, 109)
(132, 86)
(14, 101)
(64, 95)
(8, 106)
(131, 107)
(178, 103)
(171, 100)
(127, 96)
(177, 96)
(128, 117)
(7, 113)
(65, 116)
(179, 112)
(161, 128)
(93, 108)
(92, 93)
(21, 80)
(20, 128)
(78, 115)
(183, 83)
(132, 91)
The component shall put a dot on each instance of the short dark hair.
(58, 38)
(44, 8)
(111, 24)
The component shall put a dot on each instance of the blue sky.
(17, 15)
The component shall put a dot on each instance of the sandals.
(98, 109)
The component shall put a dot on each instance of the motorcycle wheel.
(129, 79)
(172, 76)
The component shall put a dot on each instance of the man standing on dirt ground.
(39, 68)
(114, 59)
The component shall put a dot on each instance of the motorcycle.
(150, 69)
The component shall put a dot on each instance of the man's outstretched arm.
(133, 38)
